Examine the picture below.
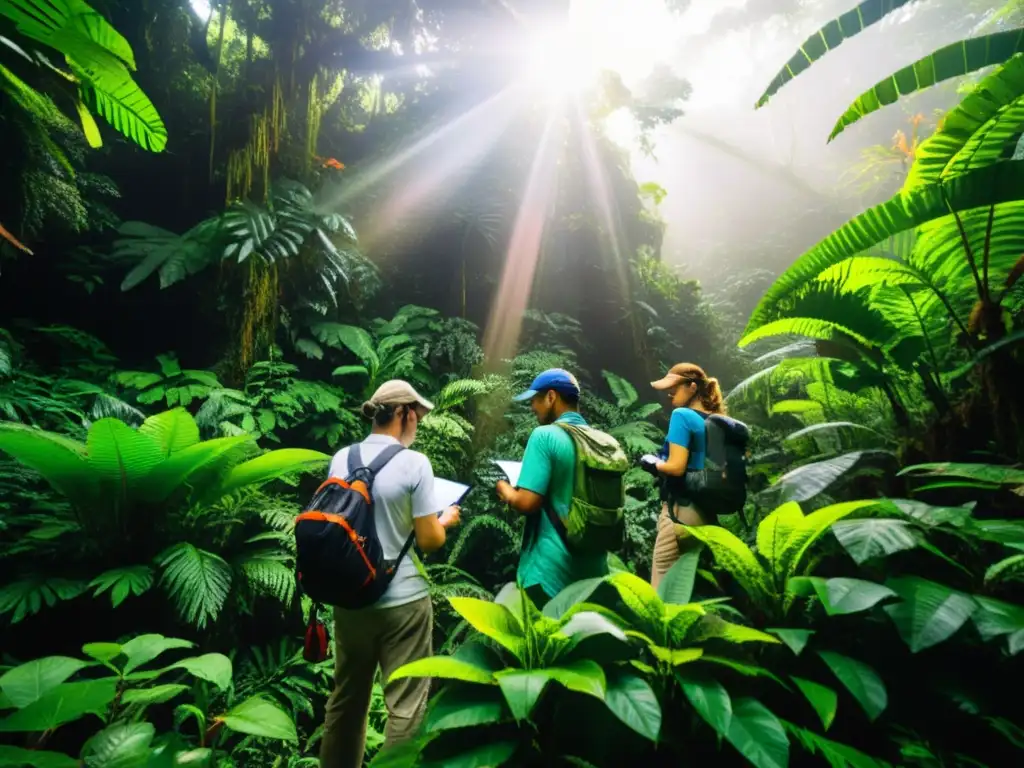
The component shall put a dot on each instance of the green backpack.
(595, 522)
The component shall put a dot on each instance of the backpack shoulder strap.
(355, 459)
(384, 457)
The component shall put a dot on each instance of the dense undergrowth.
(866, 608)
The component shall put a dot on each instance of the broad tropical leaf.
(632, 700)
(63, 704)
(28, 682)
(828, 38)
(259, 716)
(271, 466)
(860, 680)
(953, 60)
(60, 460)
(757, 734)
(821, 697)
(992, 185)
(981, 130)
(929, 613)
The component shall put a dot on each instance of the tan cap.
(398, 392)
(669, 381)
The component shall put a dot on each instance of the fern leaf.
(735, 557)
(270, 576)
(197, 582)
(133, 579)
(26, 597)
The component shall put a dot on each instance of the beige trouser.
(389, 637)
(673, 540)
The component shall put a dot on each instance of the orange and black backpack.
(339, 558)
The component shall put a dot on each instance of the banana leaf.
(993, 185)
(953, 60)
(828, 38)
(983, 129)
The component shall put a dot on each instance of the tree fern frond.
(197, 582)
(485, 522)
(27, 596)
(270, 576)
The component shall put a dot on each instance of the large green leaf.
(121, 456)
(735, 557)
(144, 648)
(774, 531)
(821, 697)
(952, 60)
(866, 539)
(464, 707)
(272, 465)
(810, 529)
(829, 37)
(16, 757)
(493, 620)
(758, 735)
(174, 430)
(445, 667)
(60, 461)
(205, 459)
(632, 700)
(842, 596)
(995, 618)
(710, 699)
(979, 131)
(128, 109)
(860, 680)
(576, 592)
(28, 682)
(676, 587)
(807, 481)
(258, 716)
(522, 688)
(63, 704)
(120, 746)
(929, 613)
(991, 185)
(99, 58)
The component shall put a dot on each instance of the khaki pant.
(673, 540)
(388, 637)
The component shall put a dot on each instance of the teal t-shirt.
(686, 429)
(549, 470)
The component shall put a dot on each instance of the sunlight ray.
(430, 187)
(502, 333)
(602, 195)
(377, 170)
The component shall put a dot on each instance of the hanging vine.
(252, 161)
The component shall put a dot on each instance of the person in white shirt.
(397, 628)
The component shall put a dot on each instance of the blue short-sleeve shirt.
(686, 429)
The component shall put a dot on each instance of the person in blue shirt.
(546, 566)
(694, 396)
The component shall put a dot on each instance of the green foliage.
(99, 59)
(145, 501)
(37, 698)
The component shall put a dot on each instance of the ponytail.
(711, 396)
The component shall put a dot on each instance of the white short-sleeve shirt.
(402, 490)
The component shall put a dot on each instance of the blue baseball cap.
(557, 379)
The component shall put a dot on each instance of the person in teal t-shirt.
(546, 566)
